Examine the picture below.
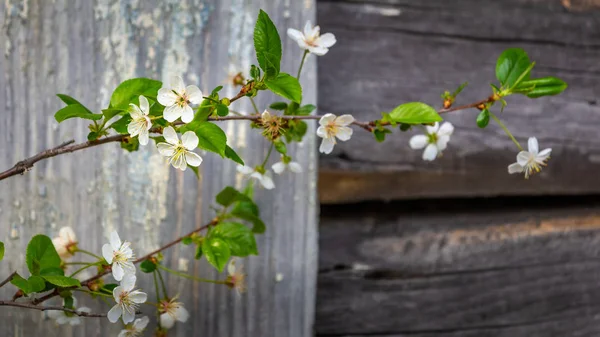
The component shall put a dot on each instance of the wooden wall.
(458, 247)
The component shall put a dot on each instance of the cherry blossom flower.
(127, 300)
(530, 161)
(311, 39)
(177, 99)
(65, 243)
(331, 127)
(434, 141)
(180, 152)
(63, 317)
(236, 279)
(140, 122)
(259, 174)
(136, 329)
(172, 311)
(119, 256)
(286, 164)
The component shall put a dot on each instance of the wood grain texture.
(391, 52)
(467, 268)
(85, 48)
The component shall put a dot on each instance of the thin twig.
(8, 279)
(46, 308)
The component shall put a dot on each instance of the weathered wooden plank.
(86, 48)
(390, 52)
(461, 270)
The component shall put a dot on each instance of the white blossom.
(136, 329)
(236, 278)
(176, 98)
(530, 161)
(331, 127)
(140, 122)
(127, 300)
(119, 256)
(286, 164)
(65, 243)
(172, 311)
(62, 317)
(434, 141)
(262, 177)
(311, 39)
(180, 152)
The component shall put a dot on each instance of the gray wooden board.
(85, 48)
(392, 52)
(522, 269)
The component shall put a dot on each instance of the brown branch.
(8, 279)
(46, 308)
(89, 281)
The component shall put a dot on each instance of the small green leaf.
(545, 86)
(278, 106)
(217, 252)
(286, 86)
(68, 100)
(41, 254)
(305, 110)
(239, 237)
(148, 266)
(196, 171)
(110, 287)
(36, 283)
(198, 255)
(130, 90)
(483, 119)
(62, 281)
(21, 283)
(187, 240)
(231, 154)
(254, 72)
(267, 45)
(249, 211)
(52, 271)
(131, 144)
(414, 113)
(511, 65)
(110, 113)
(204, 110)
(380, 134)
(75, 111)
(215, 91)
(121, 125)
(68, 302)
(229, 195)
(210, 136)
(280, 147)
(1, 250)
(459, 89)
(222, 109)
(92, 136)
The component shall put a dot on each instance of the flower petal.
(318, 50)
(245, 169)
(326, 146)
(344, 133)
(170, 135)
(190, 140)
(187, 114)
(176, 83)
(327, 40)
(128, 315)
(141, 323)
(533, 146)
(543, 155)
(135, 127)
(523, 158)
(178, 162)
(231, 267)
(308, 29)
(138, 296)
(144, 105)
(430, 153)
(194, 94)
(144, 136)
(267, 182)
(165, 149)
(344, 120)
(322, 132)
(166, 321)
(432, 129)
(181, 314)
(326, 119)
(446, 129)
(166, 96)
(278, 167)
(67, 234)
(114, 313)
(128, 282)
(442, 142)
(295, 167)
(515, 168)
(418, 142)
(193, 159)
(295, 34)
(117, 271)
(135, 112)
(172, 112)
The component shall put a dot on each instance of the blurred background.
(457, 247)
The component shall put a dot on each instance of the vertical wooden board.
(85, 49)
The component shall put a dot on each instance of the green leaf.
(231, 154)
(511, 65)
(459, 89)
(198, 255)
(121, 125)
(380, 134)
(204, 110)
(414, 113)
(305, 110)
(196, 170)
(249, 212)
(110, 113)
(278, 106)
(62, 281)
(210, 136)
(131, 144)
(280, 147)
(68, 100)
(483, 119)
(68, 302)
(75, 111)
(21, 283)
(222, 109)
(92, 136)
(36, 283)
(187, 240)
(1, 250)
(110, 287)
(254, 72)
(285, 85)
(148, 266)
(217, 252)
(267, 45)
(229, 195)
(215, 91)
(545, 86)
(239, 237)
(130, 90)
(41, 254)
(52, 271)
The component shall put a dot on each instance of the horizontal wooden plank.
(463, 270)
(390, 52)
